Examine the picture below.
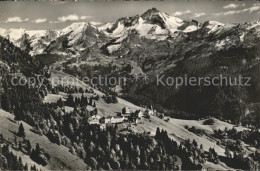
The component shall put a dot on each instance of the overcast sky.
(56, 15)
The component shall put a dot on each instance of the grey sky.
(56, 15)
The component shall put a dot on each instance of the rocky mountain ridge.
(77, 37)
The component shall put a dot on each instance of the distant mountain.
(33, 40)
(73, 39)
(112, 38)
(152, 24)
(70, 40)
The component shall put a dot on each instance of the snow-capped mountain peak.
(152, 25)
(164, 20)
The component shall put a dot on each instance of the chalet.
(133, 118)
(149, 112)
(160, 115)
(94, 120)
(102, 120)
(126, 110)
(138, 114)
(166, 119)
(111, 120)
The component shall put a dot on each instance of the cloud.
(16, 20)
(84, 17)
(95, 23)
(71, 17)
(21, 20)
(246, 10)
(54, 22)
(179, 13)
(40, 20)
(233, 6)
(197, 15)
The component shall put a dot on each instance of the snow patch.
(190, 29)
(119, 30)
(75, 31)
(221, 43)
(172, 23)
(214, 26)
(242, 37)
(113, 48)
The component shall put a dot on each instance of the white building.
(126, 110)
(112, 119)
(94, 119)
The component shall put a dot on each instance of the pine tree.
(20, 145)
(29, 147)
(60, 103)
(201, 146)
(21, 132)
(37, 149)
(70, 101)
(90, 101)
(33, 154)
(26, 167)
(97, 97)
(20, 163)
(114, 99)
(158, 133)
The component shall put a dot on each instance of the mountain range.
(162, 44)
(152, 25)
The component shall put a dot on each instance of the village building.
(160, 115)
(138, 114)
(149, 112)
(134, 117)
(111, 120)
(126, 110)
(166, 119)
(94, 120)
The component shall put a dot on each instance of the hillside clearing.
(60, 157)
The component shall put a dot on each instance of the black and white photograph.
(129, 85)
